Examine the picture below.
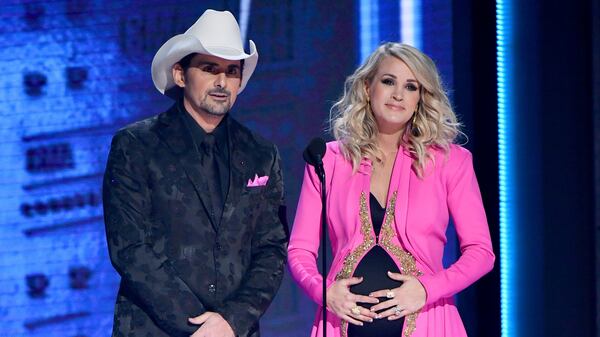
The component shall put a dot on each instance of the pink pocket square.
(258, 181)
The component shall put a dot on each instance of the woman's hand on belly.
(345, 304)
(410, 297)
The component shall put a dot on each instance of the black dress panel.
(373, 268)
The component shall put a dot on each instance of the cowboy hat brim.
(179, 46)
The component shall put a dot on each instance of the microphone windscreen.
(315, 151)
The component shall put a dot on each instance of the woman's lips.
(395, 107)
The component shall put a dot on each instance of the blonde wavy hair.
(434, 124)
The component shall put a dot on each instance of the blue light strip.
(369, 27)
(508, 246)
(244, 17)
(410, 23)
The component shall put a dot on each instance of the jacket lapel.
(400, 181)
(238, 167)
(175, 134)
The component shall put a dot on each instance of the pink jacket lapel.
(400, 182)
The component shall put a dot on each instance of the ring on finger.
(397, 310)
(389, 294)
(355, 310)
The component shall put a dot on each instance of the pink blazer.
(413, 235)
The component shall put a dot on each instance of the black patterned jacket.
(173, 260)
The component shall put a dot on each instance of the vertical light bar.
(410, 23)
(369, 27)
(244, 17)
(508, 242)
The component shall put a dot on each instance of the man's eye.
(209, 69)
(233, 71)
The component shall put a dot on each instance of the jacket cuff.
(317, 292)
(429, 282)
(238, 318)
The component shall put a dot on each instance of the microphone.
(315, 151)
(313, 155)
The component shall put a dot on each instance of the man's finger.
(200, 319)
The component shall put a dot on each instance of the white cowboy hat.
(214, 33)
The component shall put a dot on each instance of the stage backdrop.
(75, 71)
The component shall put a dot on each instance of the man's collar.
(198, 133)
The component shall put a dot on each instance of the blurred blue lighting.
(369, 25)
(245, 6)
(508, 247)
(369, 28)
(410, 21)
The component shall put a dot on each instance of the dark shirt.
(221, 141)
(373, 267)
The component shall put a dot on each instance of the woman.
(393, 179)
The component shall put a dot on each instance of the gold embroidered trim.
(352, 258)
(408, 264)
(407, 261)
(368, 242)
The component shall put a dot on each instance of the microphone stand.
(321, 173)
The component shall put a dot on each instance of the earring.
(413, 124)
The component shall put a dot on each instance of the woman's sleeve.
(466, 208)
(305, 238)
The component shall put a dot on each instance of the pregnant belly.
(373, 268)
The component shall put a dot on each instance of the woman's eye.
(411, 87)
(387, 81)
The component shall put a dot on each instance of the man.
(193, 201)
